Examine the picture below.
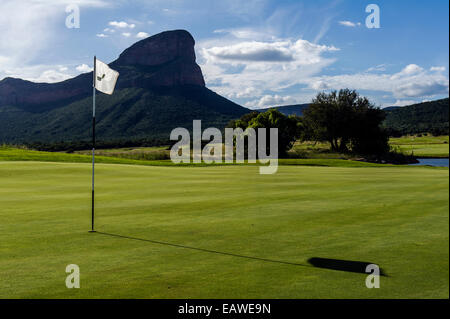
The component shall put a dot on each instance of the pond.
(441, 162)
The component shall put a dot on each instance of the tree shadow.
(343, 265)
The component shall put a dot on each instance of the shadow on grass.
(205, 250)
(332, 264)
(342, 265)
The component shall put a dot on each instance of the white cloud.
(101, 35)
(270, 101)
(437, 68)
(378, 68)
(420, 88)
(263, 72)
(28, 29)
(326, 24)
(109, 30)
(121, 24)
(247, 33)
(411, 81)
(83, 68)
(403, 102)
(252, 51)
(126, 34)
(25, 28)
(300, 51)
(247, 92)
(51, 76)
(142, 35)
(319, 85)
(41, 73)
(231, 64)
(349, 24)
(408, 70)
(47, 73)
(411, 69)
(244, 93)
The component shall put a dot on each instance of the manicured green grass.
(424, 139)
(423, 146)
(396, 217)
(426, 150)
(16, 154)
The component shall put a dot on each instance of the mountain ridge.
(425, 117)
(160, 87)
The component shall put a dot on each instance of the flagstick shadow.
(207, 250)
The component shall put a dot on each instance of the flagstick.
(93, 142)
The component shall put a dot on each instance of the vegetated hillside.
(160, 87)
(432, 117)
(296, 109)
(130, 113)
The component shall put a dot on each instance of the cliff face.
(168, 58)
(26, 94)
(163, 60)
(160, 87)
(159, 49)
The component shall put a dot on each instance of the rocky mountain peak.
(166, 59)
(159, 49)
(170, 55)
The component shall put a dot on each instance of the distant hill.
(427, 117)
(160, 87)
(296, 109)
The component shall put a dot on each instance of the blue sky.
(258, 53)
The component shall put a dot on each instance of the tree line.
(349, 122)
(71, 146)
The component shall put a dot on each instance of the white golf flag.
(105, 78)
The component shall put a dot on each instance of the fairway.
(222, 231)
(423, 146)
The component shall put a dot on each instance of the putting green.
(222, 231)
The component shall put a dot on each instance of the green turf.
(424, 139)
(17, 154)
(394, 216)
(423, 146)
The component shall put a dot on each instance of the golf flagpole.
(93, 141)
(104, 83)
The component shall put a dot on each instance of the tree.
(289, 127)
(347, 121)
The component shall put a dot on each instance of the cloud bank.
(275, 71)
